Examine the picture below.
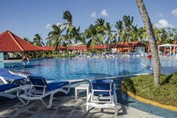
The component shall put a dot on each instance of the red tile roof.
(10, 42)
(101, 46)
(46, 48)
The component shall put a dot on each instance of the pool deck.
(65, 106)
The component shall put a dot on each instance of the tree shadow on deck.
(122, 98)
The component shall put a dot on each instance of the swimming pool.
(83, 68)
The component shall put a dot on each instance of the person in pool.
(25, 58)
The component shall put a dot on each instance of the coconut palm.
(128, 22)
(67, 16)
(28, 40)
(152, 41)
(76, 35)
(55, 36)
(100, 25)
(119, 26)
(37, 40)
(109, 34)
(93, 36)
(137, 34)
(83, 38)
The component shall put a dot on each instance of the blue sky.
(29, 17)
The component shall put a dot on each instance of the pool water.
(83, 68)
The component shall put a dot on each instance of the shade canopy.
(10, 42)
(167, 45)
(171, 46)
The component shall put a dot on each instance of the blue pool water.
(83, 68)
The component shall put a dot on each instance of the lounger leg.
(68, 89)
(23, 101)
(85, 109)
(116, 110)
(50, 101)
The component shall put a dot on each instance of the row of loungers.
(102, 91)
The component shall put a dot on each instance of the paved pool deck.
(65, 107)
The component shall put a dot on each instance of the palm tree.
(83, 38)
(67, 16)
(76, 35)
(28, 40)
(152, 41)
(100, 27)
(119, 26)
(120, 31)
(38, 40)
(128, 22)
(137, 34)
(92, 34)
(109, 33)
(55, 36)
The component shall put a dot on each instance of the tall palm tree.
(128, 22)
(100, 27)
(83, 38)
(28, 40)
(76, 35)
(67, 16)
(55, 36)
(152, 41)
(38, 40)
(119, 26)
(92, 35)
(108, 31)
(137, 34)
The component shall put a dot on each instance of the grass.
(144, 86)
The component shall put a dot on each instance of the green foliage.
(144, 86)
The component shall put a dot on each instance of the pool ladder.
(26, 71)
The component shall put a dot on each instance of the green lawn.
(144, 86)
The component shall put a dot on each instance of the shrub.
(144, 86)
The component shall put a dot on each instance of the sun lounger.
(40, 89)
(5, 87)
(102, 95)
(7, 76)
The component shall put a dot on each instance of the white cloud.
(93, 15)
(104, 13)
(174, 12)
(48, 26)
(163, 23)
(58, 24)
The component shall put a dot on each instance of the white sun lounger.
(6, 87)
(102, 95)
(40, 89)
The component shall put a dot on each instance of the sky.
(26, 18)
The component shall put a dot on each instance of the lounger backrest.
(38, 81)
(103, 85)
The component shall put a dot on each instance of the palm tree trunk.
(152, 41)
